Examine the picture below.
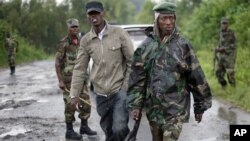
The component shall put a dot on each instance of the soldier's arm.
(232, 43)
(197, 84)
(137, 82)
(80, 73)
(127, 50)
(59, 62)
(6, 43)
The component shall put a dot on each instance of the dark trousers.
(114, 116)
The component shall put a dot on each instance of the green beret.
(165, 7)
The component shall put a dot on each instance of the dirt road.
(31, 109)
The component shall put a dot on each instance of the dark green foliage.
(42, 22)
(202, 27)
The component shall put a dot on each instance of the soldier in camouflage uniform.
(165, 71)
(65, 61)
(12, 47)
(227, 54)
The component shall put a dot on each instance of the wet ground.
(31, 109)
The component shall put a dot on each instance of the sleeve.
(232, 44)
(80, 74)
(127, 50)
(16, 45)
(60, 51)
(197, 84)
(6, 43)
(137, 82)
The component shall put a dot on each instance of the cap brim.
(94, 9)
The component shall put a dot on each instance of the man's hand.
(198, 117)
(75, 102)
(62, 85)
(220, 49)
(135, 114)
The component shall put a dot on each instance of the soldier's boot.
(223, 83)
(84, 129)
(12, 70)
(71, 134)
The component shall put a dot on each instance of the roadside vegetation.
(198, 20)
(26, 52)
(202, 28)
(240, 95)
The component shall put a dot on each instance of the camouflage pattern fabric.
(84, 111)
(227, 58)
(171, 133)
(165, 73)
(11, 46)
(67, 53)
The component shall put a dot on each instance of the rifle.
(215, 58)
(132, 134)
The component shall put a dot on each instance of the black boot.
(71, 134)
(12, 70)
(85, 128)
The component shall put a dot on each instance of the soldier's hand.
(75, 102)
(220, 49)
(135, 114)
(198, 117)
(62, 85)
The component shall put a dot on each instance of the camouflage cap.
(72, 22)
(165, 7)
(224, 20)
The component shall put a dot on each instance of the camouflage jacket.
(66, 54)
(165, 74)
(11, 45)
(227, 42)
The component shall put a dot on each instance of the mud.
(32, 109)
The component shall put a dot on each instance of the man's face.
(166, 23)
(74, 30)
(224, 25)
(95, 18)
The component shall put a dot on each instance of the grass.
(240, 95)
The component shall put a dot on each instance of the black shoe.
(223, 83)
(12, 70)
(84, 129)
(71, 134)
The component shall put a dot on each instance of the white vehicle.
(136, 32)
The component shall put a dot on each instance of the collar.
(100, 35)
(103, 32)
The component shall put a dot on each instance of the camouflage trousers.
(169, 132)
(225, 67)
(84, 112)
(11, 60)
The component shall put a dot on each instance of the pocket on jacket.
(115, 52)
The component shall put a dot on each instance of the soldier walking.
(227, 54)
(64, 63)
(165, 71)
(11, 46)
